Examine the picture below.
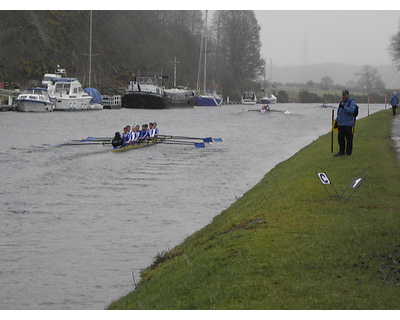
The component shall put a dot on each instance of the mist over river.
(76, 221)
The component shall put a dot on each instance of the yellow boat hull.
(138, 145)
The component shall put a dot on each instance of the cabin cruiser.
(34, 100)
(249, 97)
(66, 93)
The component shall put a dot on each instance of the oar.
(197, 145)
(81, 144)
(185, 138)
(89, 139)
(96, 139)
(184, 141)
(209, 139)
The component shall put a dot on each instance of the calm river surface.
(77, 221)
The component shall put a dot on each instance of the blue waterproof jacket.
(394, 100)
(345, 115)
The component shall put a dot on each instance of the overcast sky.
(315, 36)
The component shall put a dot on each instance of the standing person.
(394, 102)
(345, 123)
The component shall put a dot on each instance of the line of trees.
(127, 42)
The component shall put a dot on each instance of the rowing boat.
(138, 145)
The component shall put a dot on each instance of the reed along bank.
(286, 244)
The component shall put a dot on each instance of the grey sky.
(315, 36)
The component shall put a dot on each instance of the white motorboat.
(34, 100)
(249, 97)
(69, 95)
(66, 93)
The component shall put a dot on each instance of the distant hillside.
(123, 42)
(340, 73)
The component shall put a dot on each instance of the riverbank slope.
(287, 245)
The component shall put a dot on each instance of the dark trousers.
(345, 139)
(394, 110)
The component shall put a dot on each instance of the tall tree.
(394, 48)
(238, 46)
(370, 80)
(326, 82)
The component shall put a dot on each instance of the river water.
(76, 222)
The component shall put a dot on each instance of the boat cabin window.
(248, 95)
(62, 86)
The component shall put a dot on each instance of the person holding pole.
(394, 102)
(345, 123)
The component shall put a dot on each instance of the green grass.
(286, 245)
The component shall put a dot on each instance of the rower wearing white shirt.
(156, 130)
(135, 134)
(151, 131)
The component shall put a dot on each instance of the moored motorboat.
(69, 95)
(66, 93)
(34, 100)
(249, 97)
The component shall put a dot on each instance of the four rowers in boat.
(135, 135)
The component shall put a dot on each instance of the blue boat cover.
(96, 96)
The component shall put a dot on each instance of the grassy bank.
(286, 245)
